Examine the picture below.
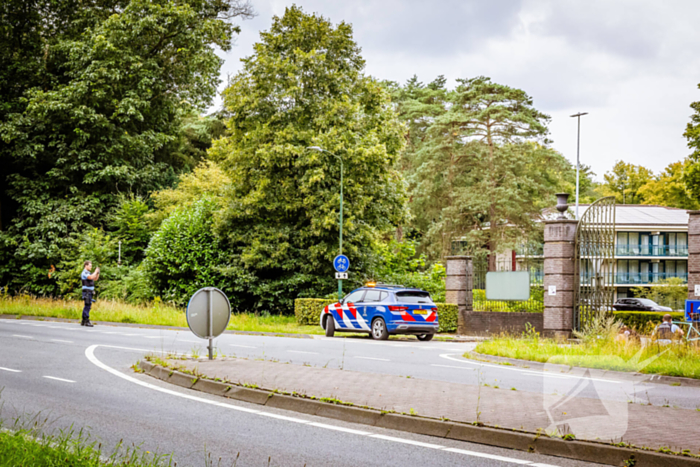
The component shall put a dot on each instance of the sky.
(632, 65)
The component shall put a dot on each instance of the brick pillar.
(693, 253)
(458, 288)
(559, 260)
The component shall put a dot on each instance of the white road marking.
(60, 340)
(453, 366)
(90, 354)
(60, 379)
(244, 346)
(301, 351)
(10, 370)
(407, 441)
(490, 456)
(372, 358)
(25, 337)
(527, 372)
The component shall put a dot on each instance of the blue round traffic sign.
(341, 263)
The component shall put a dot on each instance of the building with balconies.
(651, 244)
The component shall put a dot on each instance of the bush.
(308, 310)
(184, 255)
(640, 319)
(534, 305)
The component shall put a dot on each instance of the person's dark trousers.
(87, 297)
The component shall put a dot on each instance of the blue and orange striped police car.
(381, 310)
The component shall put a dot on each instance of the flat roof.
(643, 214)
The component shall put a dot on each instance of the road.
(81, 377)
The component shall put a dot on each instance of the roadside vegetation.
(30, 447)
(156, 313)
(599, 348)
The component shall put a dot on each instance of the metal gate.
(594, 265)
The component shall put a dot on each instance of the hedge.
(639, 319)
(308, 310)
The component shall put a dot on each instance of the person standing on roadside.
(88, 281)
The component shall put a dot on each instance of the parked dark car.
(638, 304)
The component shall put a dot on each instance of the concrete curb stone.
(582, 450)
(655, 379)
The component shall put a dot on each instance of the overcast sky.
(633, 65)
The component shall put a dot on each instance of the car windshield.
(413, 296)
(647, 302)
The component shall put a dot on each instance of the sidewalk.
(586, 417)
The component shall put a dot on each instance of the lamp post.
(578, 147)
(340, 234)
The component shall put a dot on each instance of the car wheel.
(330, 326)
(379, 331)
(425, 337)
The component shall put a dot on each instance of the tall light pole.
(340, 235)
(578, 148)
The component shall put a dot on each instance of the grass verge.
(156, 313)
(678, 359)
(28, 447)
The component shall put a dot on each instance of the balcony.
(651, 250)
(636, 278)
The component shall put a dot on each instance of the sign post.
(208, 315)
(341, 263)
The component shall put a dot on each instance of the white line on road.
(452, 366)
(244, 346)
(10, 370)
(60, 379)
(90, 354)
(527, 372)
(25, 337)
(301, 351)
(372, 358)
(61, 340)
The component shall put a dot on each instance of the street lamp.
(340, 235)
(578, 147)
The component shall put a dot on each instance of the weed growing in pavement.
(478, 399)
(195, 351)
(412, 412)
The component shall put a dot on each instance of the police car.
(382, 310)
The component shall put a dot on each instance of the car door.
(369, 308)
(347, 315)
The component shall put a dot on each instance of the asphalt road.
(81, 377)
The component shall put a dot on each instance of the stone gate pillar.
(458, 288)
(559, 261)
(693, 253)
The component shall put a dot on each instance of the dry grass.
(156, 313)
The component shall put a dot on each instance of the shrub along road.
(44, 368)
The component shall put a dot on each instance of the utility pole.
(578, 148)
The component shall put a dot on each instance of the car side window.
(355, 297)
(383, 296)
(372, 296)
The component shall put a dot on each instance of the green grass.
(672, 360)
(24, 447)
(156, 313)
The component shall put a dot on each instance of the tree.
(691, 176)
(304, 86)
(484, 167)
(625, 181)
(669, 189)
(99, 114)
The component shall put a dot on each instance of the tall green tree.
(483, 168)
(624, 182)
(108, 83)
(304, 86)
(691, 175)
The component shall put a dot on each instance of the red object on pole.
(513, 264)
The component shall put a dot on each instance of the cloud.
(630, 63)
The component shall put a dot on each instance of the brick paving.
(586, 417)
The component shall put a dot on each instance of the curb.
(589, 451)
(649, 378)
